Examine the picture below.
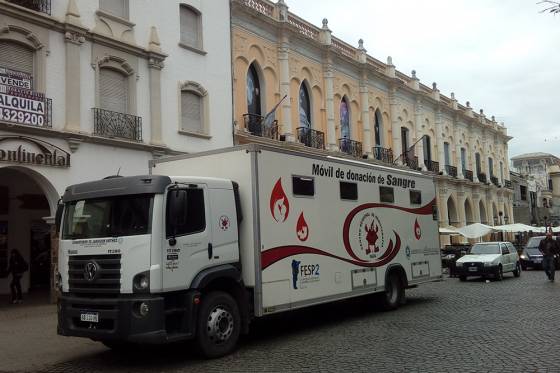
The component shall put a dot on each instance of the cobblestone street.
(508, 326)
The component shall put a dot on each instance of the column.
(155, 67)
(456, 135)
(283, 58)
(365, 117)
(395, 130)
(439, 134)
(418, 133)
(331, 129)
(73, 41)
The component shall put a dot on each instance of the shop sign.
(27, 150)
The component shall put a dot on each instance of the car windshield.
(107, 217)
(535, 241)
(481, 249)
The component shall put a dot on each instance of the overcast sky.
(502, 56)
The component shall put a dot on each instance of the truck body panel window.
(415, 197)
(386, 194)
(303, 186)
(348, 191)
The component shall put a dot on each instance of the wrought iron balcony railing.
(255, 124)
(451, 170)
(350, 147)
(508, 184)
(383, 154)
(43, 6)
(432, 166)
(410, 159)
(108, 123)
(311, 138)
(468, 175)
(482, 177)
(495, 180)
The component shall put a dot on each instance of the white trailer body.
(208, 241)
(309, 246)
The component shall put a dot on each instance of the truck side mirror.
(58, 216)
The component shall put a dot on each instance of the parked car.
(489, 259)
(531, 256)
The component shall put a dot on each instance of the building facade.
(297, 85)
(90, 89)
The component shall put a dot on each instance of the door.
(506, 258)
(187, 231)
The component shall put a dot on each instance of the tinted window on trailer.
(303, 186)
(415, 197)
(386, 194)
(348, 191)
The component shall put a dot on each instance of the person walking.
(17, 267)
(549, 247)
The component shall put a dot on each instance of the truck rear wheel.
(394, 292)
(219, 324)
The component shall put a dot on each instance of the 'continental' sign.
(27, 150)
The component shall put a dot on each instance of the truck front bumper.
(120, 319)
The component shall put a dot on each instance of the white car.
(489, 259)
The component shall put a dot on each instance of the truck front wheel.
(219, 324)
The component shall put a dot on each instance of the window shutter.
(15, 56)
(191, 112)
(113, 90)
(190, 27)
(115, 7)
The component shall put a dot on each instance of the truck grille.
(94, 274)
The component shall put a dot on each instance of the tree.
(551, 6)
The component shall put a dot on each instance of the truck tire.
(218, 325)
(394, 292)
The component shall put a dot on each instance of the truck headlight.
(141, 282)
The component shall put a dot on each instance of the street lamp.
(501, 232)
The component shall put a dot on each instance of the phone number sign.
(24, 107)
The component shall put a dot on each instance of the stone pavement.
(450, 326)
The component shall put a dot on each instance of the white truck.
(207, 242)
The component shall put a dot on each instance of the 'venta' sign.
(27, 150)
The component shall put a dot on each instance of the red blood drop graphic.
(302, 229)
(279, 204)
(417, 230)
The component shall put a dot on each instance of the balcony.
(43, 6)
(482, 177)
(468, 175)
(383, 154)
(432, 166)
(27, 108)
(311, 138)
(495, 181)
(410, 159)
(451, 170)
(508, 184)
(112, 124)
(350, 147)
(256, 125)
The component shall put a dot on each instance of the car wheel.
(499, 273)
(219, 325)
(462, 278)
(517, 271)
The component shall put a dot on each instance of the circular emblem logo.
(90, 271)
(224, 223)
(370, 236)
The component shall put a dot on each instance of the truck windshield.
(107, 217)
(485, 249)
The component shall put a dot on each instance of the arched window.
(113, 90)
(304, 107)
(427, 145)
(378, 128)
(253, 91)
(191, 26)
(477, 163)
(344, 119)
(16, 56)
(117, 8)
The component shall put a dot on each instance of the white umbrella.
(475, 230)
(451, 230)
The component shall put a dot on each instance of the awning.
(451, 230)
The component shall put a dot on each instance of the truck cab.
(137, 254)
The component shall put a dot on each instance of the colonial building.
(96, 88)
(334, 98)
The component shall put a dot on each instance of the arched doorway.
(26, 198)
(482, 211)
(469, 218)
(452, 216)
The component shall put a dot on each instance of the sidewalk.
(28, 339)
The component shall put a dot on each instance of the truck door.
(187, 235)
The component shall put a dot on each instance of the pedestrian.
(17, 267)
(549, 248)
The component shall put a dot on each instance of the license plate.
(89, 316)
(473, 269)
(538, 260)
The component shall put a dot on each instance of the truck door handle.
(210, 250)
